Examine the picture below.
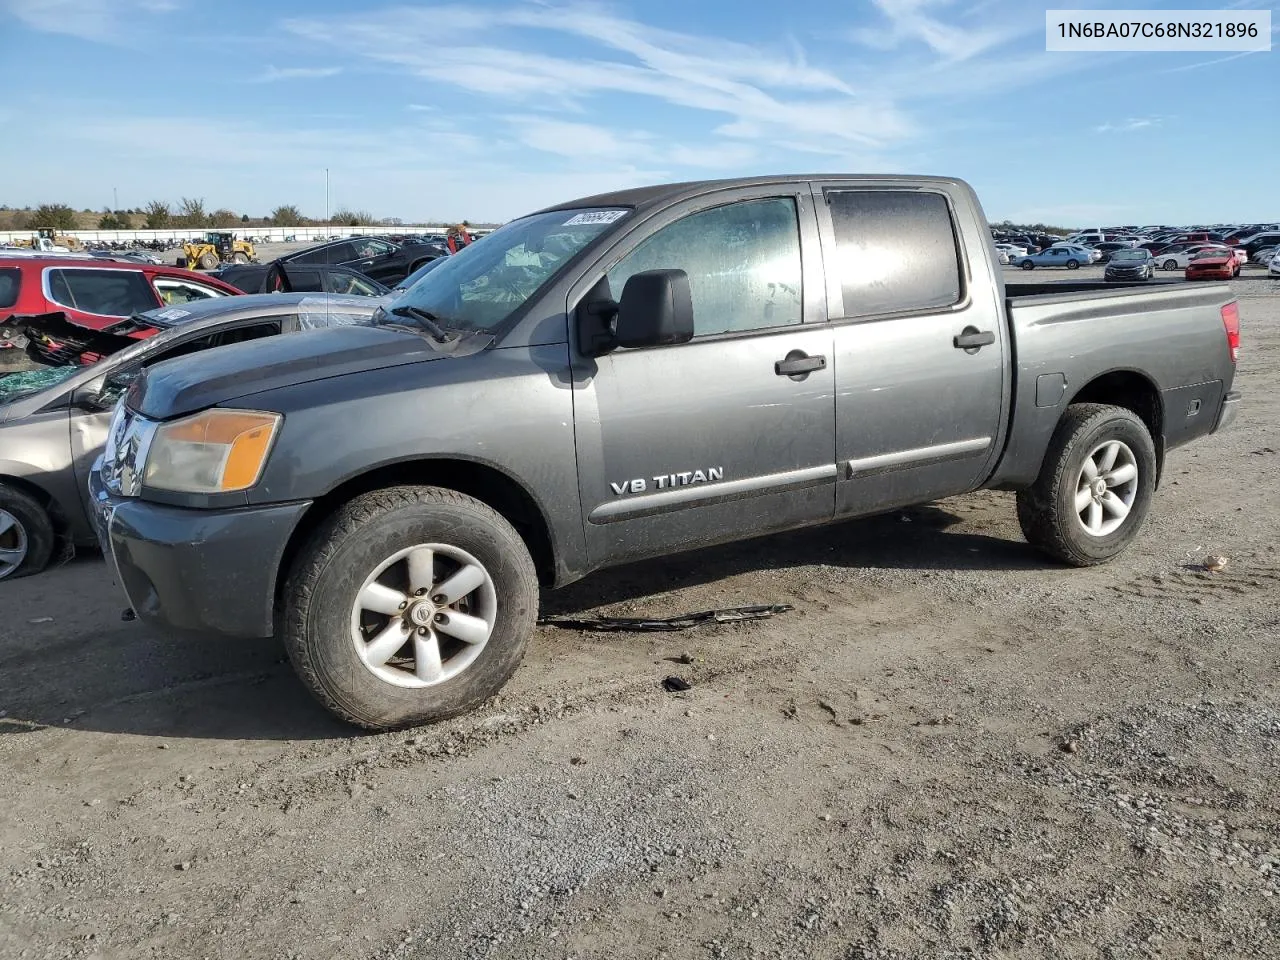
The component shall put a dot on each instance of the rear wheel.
(1171, 264)
(1073, 264)
(1095, 486)
(26, 534)
(409, 605)
(239, 257)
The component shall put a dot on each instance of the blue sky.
(486, 110)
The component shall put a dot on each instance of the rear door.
(920, 343)
(713, 439)
(380, 260)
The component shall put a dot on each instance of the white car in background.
(1093, 255)
(1265, 255)
(1012, 249)
(1178, 260)
(1273, 268)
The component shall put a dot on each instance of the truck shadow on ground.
(915, 538)
(85, 669)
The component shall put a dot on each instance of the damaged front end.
(52, 339)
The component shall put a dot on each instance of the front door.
(920, 352)
(730, 434)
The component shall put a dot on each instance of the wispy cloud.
(428, 170)
(600, 143)
(1129, 125)
(755, 92)
(105, 21)
(272, 74)
(909, 21)
(1215, 60)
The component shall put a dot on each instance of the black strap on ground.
(660, 625)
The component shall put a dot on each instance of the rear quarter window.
(10, 284)
(115, 293)
(896, 251)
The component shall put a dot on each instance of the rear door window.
(340, 281)
(174, 291)
(113, 293)
(896, 251)
(10, 283)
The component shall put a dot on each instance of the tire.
(322, 623)
(239, 257)
(1073, 264)
(208, 261)
(1027, 265)
(26, 534)
(1047, 510)
(1170, 265)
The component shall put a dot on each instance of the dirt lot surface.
(950, 747)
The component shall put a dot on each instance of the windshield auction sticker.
(595, 217)
(1119, 31)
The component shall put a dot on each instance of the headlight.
(217, 451)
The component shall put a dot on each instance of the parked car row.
(1173, 249)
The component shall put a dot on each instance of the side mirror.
(656, 308)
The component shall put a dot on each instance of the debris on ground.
(676, 684)
(660, 624)
(1215, 563)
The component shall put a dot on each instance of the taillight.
(1231, 322)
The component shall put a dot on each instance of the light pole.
(115, 196)
(326, 194)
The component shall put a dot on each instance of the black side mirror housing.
(656, 308)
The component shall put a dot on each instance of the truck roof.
(663, 193)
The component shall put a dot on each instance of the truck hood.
(187, 384)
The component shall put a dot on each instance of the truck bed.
(1161, 341)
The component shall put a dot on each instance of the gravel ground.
(949, 748)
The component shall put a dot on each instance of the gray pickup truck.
(626, 376)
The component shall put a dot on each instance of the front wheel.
(409, 605)
(1095, 486)
(208, 261)
(1027, 265)
(26, 534)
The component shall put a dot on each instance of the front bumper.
(209, 571)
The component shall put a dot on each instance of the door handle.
(971, 339)
(797, 364)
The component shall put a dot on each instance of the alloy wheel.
(423, 615)
(1106, 487)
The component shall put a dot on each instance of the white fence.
(267, 234)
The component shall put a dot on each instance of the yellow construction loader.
(50, 240)
(215, 249)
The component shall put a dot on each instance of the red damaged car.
(1214, 264)
(94, 294)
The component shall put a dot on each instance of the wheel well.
(1133, 391)
(486, 484)
(41, 496)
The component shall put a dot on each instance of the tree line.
(187, 213)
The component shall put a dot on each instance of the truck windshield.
(481, 285)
